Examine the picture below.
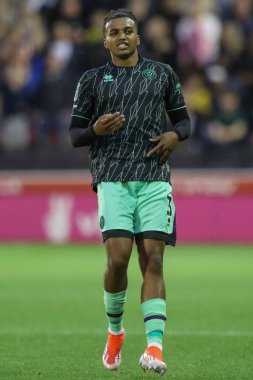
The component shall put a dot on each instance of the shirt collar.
(110, 63)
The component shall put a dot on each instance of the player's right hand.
(108, 124)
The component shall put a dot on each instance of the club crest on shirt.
(149, 74)
(107, 78)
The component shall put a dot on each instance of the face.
(121, 37)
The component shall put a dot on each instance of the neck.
(127, 62)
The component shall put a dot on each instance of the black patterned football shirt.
(144, 94)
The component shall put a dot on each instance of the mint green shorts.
(137, 209)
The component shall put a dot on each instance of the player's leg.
(153, 303)
(118, 254)
(152, 251)
(142, 259)
(115, 215)
(115, 289)
(115, 280)
(155, 228)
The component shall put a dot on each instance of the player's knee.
(118, 263)
(155, 264)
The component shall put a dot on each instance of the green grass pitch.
(52, 322)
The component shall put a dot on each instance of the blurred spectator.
(241, 13)
(7, 16)
(223, 6)
(244, 70)
(141, 9)
(198, 99)
(61, 43)
(198, 35)
(231, 46)
(94, 33)
(37, 5)
(227, 133)
(54, 99)
(171, 10)
(92, 52)
(197, 93)
(72, 11)
(15, 88)
(158, 41)
(15, 133)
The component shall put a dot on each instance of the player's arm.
(175, 107)
(83, 129)
(181, 123)
(168, 141)
(177, 112)
(82, 133)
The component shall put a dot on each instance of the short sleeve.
(83, 106)
(174, 98)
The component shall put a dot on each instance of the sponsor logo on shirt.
(107, 78)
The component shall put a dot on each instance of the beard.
(125, 55)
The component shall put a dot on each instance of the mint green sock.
(154, 313)
(114, 307)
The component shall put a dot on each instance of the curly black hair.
(118, 13)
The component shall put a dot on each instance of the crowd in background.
(46, 45)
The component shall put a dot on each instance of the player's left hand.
(166, 143)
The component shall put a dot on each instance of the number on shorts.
(169, 212)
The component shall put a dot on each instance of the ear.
(138, 39)
(105, 44)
